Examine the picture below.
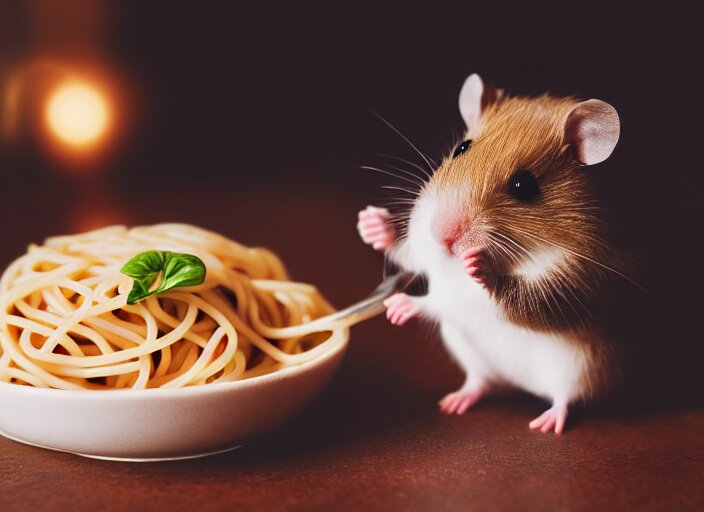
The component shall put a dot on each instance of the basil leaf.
(175, 270)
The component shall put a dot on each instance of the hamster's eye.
(462, 148)
(523, 185)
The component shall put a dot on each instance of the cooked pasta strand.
(65, 322)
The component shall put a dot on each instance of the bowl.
(164, 424)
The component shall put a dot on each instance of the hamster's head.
(517, 185)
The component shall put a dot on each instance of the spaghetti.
(65, 322)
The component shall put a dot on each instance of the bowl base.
(124, 459)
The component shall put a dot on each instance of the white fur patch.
(540, 263)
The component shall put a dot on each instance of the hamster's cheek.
(539, 263)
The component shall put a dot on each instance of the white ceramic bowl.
(160, 424)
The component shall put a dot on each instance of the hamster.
(510, 239)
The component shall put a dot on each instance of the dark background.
(253, 120)
(233, 116)
(230, 95)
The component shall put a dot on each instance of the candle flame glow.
(78, 114)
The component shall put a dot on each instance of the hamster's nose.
(449, 242)
(447, 231)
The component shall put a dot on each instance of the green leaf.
(175, 270)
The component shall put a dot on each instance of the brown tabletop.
(375, 439)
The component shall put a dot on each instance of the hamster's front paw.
(375, 228)
(478, 267)
(400, 308)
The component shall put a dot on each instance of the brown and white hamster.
(508, 234)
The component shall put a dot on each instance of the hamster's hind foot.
(552, 419)
(459, 401)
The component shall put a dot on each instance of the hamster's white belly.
(482, 340)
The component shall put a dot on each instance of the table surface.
(374, 440)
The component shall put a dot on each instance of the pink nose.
(447, 231)
(448, 242)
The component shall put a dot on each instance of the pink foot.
(477, 266)
(459, 401)
(400, 308)
(375, 228)
(552, 419)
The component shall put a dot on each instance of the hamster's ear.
(592, 129)
(475, 97)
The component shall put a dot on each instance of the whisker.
(407, 162)
(587, 258)
(408, 173)
(425, 159)
(551, 290)
(435, 164)
(527, 254)
(558, 288)
(389, 173)
(453, 131)
(408, 201)
(399, 219)
(399, 205)
(509, 239)
(545, 297)
(505, 249)
(409, 191)
(569, 289)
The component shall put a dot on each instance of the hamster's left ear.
(592, 129)
(475, 97)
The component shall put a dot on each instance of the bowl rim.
(337, 344)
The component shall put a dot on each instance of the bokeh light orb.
(77, 113)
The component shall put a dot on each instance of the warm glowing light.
(77, 113)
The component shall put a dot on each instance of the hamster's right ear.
(592, 130)
(475, 97)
